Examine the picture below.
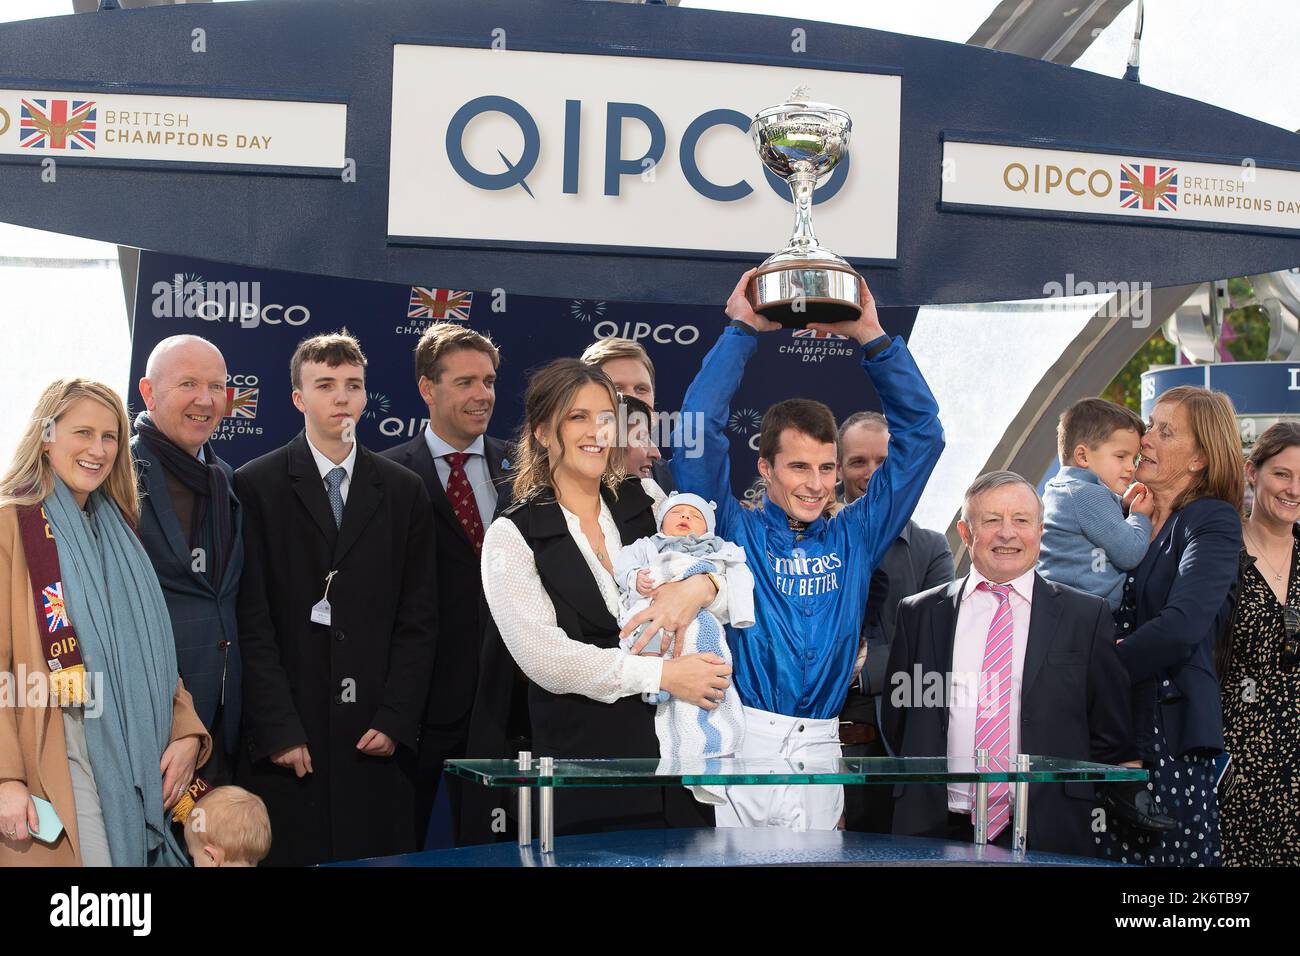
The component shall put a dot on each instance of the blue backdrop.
(258, 340)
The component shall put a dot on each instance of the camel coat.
(32, 746)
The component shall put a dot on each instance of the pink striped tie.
(993, 716)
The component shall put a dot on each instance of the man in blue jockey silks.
(794, 666)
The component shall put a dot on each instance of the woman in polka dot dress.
(1261, 673)
(1176, 603)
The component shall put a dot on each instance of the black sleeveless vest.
(571, 725)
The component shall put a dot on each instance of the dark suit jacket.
(1074, 703)
(1184, 589)
(203, 617)
(663, 476)
(325, 686)
(461, 615)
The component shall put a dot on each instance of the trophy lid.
(798, 103)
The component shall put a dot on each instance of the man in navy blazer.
(190, 525)
(1068, 694)
(456, 370)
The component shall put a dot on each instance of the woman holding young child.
(1175, 603)
(103, 731)
(1260, 666)
(548, 578)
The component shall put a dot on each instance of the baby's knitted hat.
(706, 508)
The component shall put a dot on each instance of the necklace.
(601, 555)
(1277, 575)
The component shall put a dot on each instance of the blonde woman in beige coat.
(114, 763)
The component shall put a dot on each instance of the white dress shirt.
(974, 615)
(325, 466)
(476, 470)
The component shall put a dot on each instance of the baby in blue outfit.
(686, 544)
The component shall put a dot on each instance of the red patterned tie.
(993, 716)
(462, 500)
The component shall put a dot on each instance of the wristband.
(743, 326)
(877, 345)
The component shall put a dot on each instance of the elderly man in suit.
(337, 623)
(1028, 666)
(919, 559)
(466, 473)
(190, 527)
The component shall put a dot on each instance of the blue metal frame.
(943, 255)
(596, 49)
(1080, 146)
(720, 255)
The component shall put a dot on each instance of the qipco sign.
(519, 146)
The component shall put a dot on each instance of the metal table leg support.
(1020, 808)
(546, 806)
(525, 802)
(981, 799)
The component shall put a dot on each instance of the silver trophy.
(802, 142)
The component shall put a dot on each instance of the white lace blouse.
(526, 617)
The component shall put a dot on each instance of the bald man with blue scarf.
(190, 524)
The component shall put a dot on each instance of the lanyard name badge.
(320, 612)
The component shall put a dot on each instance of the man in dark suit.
(919, 559)
(190, 527)
(1020, 665)
(628, 366)
(337, 624)
(467, 475)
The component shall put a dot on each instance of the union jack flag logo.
(56, 615)
(439, 304)
(57, 124)
(241, 403)
(814, 334)
(1148, 187)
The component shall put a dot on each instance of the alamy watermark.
(675, 430)
(24, 688)
(1129, 299)
(190, 298)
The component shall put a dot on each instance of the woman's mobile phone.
(49, 826)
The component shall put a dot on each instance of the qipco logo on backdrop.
(615, 166)
(662, 334)
(225, 302)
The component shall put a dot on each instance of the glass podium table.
(546, 775)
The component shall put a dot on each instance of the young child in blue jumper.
(1096, 528)
(1089, 542)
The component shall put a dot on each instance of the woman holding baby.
(548, 565)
